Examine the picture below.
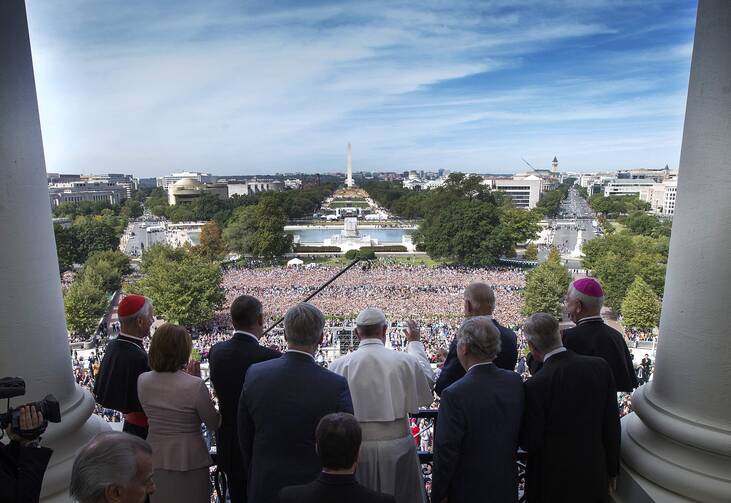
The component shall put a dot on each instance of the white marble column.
(33, 340)
(677, 446)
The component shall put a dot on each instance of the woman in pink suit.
(176, 402)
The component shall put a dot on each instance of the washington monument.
(349, 173)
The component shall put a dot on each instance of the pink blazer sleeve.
(206, 409)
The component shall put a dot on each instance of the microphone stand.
(343, 271)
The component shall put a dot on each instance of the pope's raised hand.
(412, 331)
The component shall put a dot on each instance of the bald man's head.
(479, 300)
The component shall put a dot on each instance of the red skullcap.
(130, 305)
(589, 286)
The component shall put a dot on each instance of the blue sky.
(234, 87)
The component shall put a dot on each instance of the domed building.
(186, 190)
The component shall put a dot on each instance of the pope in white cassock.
(386, 386)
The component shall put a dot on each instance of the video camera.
(11, 387)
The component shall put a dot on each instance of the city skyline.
(256, 88)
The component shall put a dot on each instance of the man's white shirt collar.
(247, 333)
(131, 336)
(554, 352)
(590, 318)
(478, 364)
(371, 341)
(300, 352)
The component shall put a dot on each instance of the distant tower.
(349, 175)
(554, 165)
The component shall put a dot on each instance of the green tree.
(157, 202)
(615, 274)
(519, 225)
(651, 268)
(73, 210)
(211, 242)
(554, 255)
(131, 209)
(545, 288)
(363, 254)
(111, 266)
(616, 205)
(92, 234)
(85, 303)
(465, 231)
(640, 223)
(663, 228)
(550, 202)
(605, 225)
(464, 223)
(258, 230)
(185, 288)
(531, 252)
(620, 244)
(641, 306)
(65, 247)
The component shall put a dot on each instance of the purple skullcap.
(588, 286)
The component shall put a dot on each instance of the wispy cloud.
(231, 87)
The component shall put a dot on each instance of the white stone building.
(129, 182)
(99, 191)
(662, 198)
(628, 187)
(525, 189)
(255, 186)
(186, 190)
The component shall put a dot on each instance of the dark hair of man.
(244, 311)
(338, 438)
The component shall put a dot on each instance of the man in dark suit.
(479, 300)
(571, 429)
(281, 404)
(229, 360)
(592, 337)
(124, 360)
(646, 365)
(478, 426)
(337, 440)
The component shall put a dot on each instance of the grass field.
(617, 226)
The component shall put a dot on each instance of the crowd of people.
(635, 336)
(85, 371)
(67, 278)
(432, 295)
